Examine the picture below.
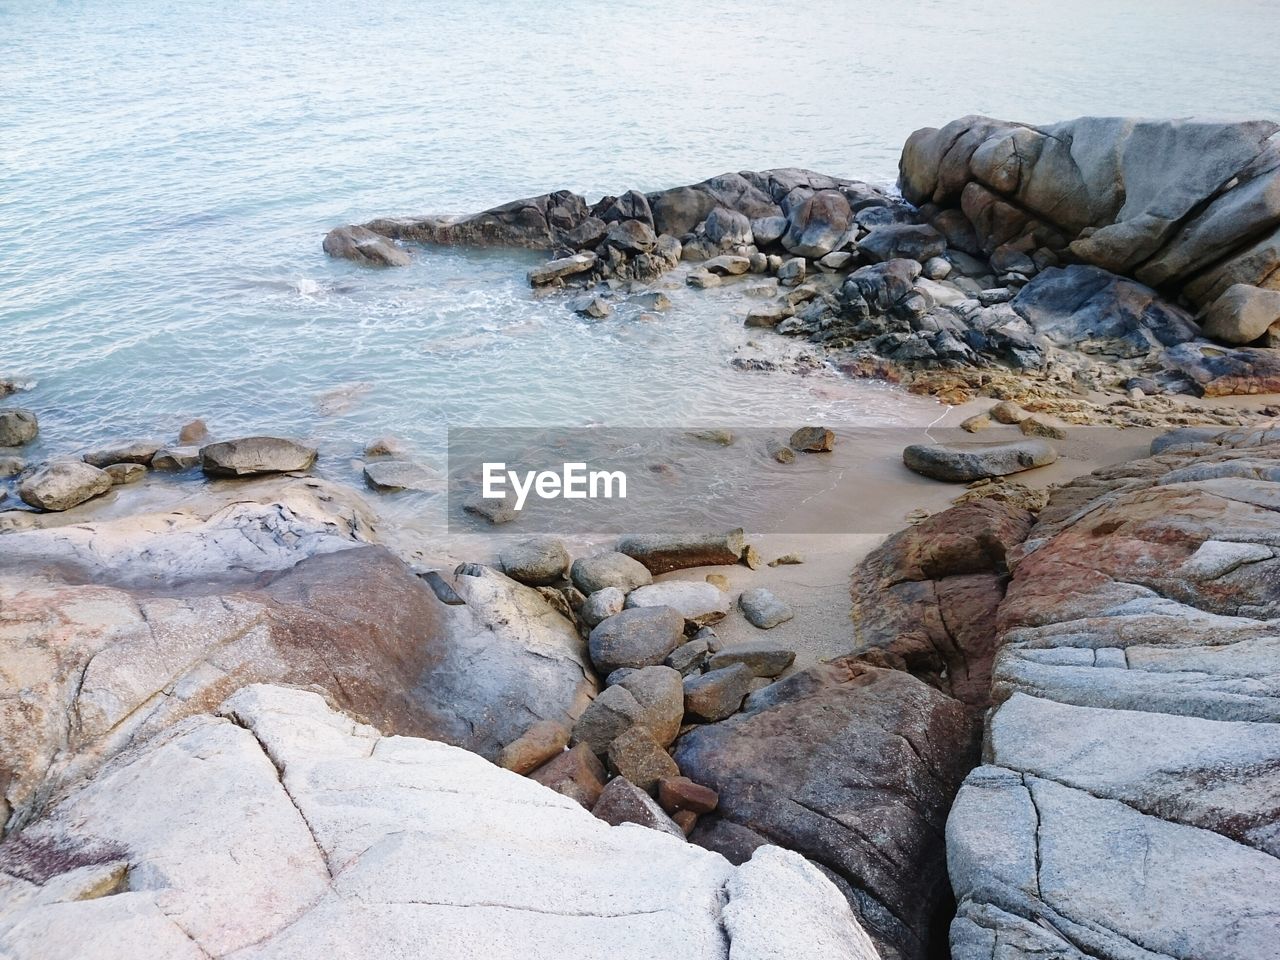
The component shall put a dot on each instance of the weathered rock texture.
(280, 828)
(1186, 206)
(113, 631)
(1129, 802)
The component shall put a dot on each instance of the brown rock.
(1008, 412)
(780, 451)
(575, 773)
(681, 793)
(193, 433)
(812, 440)
(686, 820)
(541, 742)
(1033, 427)
(624, 802)
(641, 759)
(662, 553)
(660, 692)
(122, 473)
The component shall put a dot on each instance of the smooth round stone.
(640, 637)
(537, 561)
(698, 601)
(762, 609)
(63, 484)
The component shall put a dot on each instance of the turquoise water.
(167, 173)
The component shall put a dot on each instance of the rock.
(717, 694)
(389, 476)
(250, 456)
(602, 605)
(122, 473)
(611, 714)
(1087, 309)
(812, 440)
(780, 451)
(681, 793)
(591, 306)
(632, 205)
(1226, 371)
(365, 247)
(767, 230)
(494, 509)
(1008, 412)
(17, 426)
(698, 602)
(838, 260)
(871, 794)
(577, 774)
(653, 300)
(560, 268)
(1105, 788)
(937, 268)
(703, 279)
(727, 265)
(976, 423)
(193, 433)
(637, 757)
(762, 609)
(11, 467)
(63, 484)
(718, 437)
(639, 637)
(751, 557)
(728, 228)
(262, 854)
(762, 657)
(768, 315)
(688, 658)
(964, 463)
(543, 741)
(631, 236)
(537, 561)
(791, 272)
(787, 560)
(686, 820)
(910, 241)
(660, 693)
(819, 224)
(925, 600)
(662, 553)
(176, 458)
(612, 569)
(1242, 314)
(139, 452)
(624, 802)
(1033, 427)
(541, 223)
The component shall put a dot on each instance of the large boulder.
(1242, 314)
(818, 224)
(1133, 757)
(62, 484)
(855, 767)
(278, 827)
(128, 626)
(540, 223)
(1226, 371)
(364, 246)
(249, 456)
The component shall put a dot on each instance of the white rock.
(697, 601)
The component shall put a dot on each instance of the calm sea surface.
(167, 171)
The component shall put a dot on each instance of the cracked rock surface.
(1129, 800)
(278, 827)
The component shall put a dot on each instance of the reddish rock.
(681, 793)
(624, 802)
(686, 820)
(576, 773)
(542, 741)
(641, 759)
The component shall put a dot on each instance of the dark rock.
(250, 456)
(660, 692)
(364, 246)
(762, 657)
(638, 757)
(611, 714)
(856, 768)
(631, 236)
(908, 241)
(632, 205)
(539, 223)
(718, 694)
(767, 230)
(812, 440)
(612, 569)
(688, 658)
(623, 802)
(17, 427)
(662, 553)
(728, 228)
(576, 773)
(964, 463)
(639, 637)
(1227, 371)
(818, 224)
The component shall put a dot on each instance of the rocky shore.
(252, 726)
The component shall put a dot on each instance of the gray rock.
(17, 426)
(768, 316)
(689, 658)
(728, 228)
(176, 458)
(1242, 314)
(591, 306)
(660, 692)
(697, 601)
(537, 561)
(791, 271)
(640, 637)
(727, 265)
(762, 609)
(703, 279)
(624, 802)
(964, 463)
(717, 694)
(494, 509)
(63, 484)
(937, 268)
(389, 476)
(554, 270)
(590, 574)
(767, 230)
(818, 225)
(602, 605)
(631, 236)
(122, 473)
(138, 452)
(364, 246)
(911, 241)
(251, 456)
(612, 713)
(762, 657)
(836, 261)
(11, 467)
(617, 676)
(653, 300)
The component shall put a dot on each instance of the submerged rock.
(364, 246)
(17, 427)
(392, 475)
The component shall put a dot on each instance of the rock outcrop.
(115, 630)
(1187, 206)
(1133, 759)
(278, 827)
